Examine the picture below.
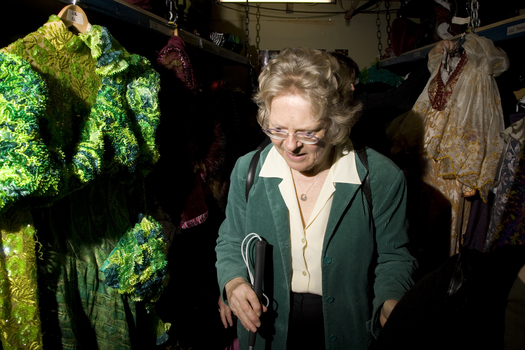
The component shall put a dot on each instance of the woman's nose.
(291, 142)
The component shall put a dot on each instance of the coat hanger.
(75, 17)
(457, 50)
(460, 43)
(172, 18)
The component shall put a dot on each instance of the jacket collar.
(347, 180)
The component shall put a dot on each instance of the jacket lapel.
(343, 197)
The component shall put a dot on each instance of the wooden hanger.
(75, 17)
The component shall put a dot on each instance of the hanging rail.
(507, 29)
(132, 14)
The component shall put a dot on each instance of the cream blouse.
(307, 242)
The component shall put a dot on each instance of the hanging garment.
(485, 217)
(456, 124)
(506, 178)
(95, 129)
(204, 139)
(507, 225)
(508, 191)
(174, 57)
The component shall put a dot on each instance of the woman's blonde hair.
(316, 76)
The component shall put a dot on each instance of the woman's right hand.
(244, 303)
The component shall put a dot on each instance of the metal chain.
(247, 29)
(172, 15)
(388, 40)
(474, 18)
(378, 23)
(258, 28)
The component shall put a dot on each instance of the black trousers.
(306, 329)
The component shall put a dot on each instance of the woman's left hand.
(386, 310)
(226, 314)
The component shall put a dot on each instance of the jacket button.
(327, 260)
(332, 338)
(330, 299)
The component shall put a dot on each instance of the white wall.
(279, 29)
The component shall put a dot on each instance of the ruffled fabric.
(65, 64)
(105, 93)
(80, 108)
(138, 268)
(129, 87)
(138, 264)
(26, 166)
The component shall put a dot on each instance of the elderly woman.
(334, 268)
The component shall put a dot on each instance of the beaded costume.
(457, 123)
(78, 135)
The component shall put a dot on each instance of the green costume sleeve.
(26, 166)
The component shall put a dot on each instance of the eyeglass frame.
(272, 136)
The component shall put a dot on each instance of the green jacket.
(361, 269)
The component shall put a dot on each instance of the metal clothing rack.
(508, 29)
(132, 14)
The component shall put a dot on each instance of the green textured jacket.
(361, 268)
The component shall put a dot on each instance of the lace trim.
(439, 93)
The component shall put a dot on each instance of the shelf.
(129, 13)
(507, 29)
(208, 46)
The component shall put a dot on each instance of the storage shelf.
(503, 30)
(132, 14)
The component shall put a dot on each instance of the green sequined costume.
(22, 172)
(77, 137)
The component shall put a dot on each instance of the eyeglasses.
(303, 137)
